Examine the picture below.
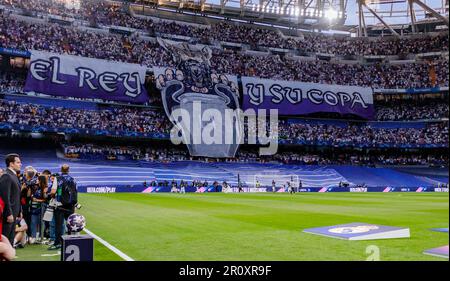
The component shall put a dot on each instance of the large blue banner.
(75, 76)
(299, 98)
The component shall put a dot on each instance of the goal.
(280, 180)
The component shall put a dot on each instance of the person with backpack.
(67, 196)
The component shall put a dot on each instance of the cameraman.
(67, 196)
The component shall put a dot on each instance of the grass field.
(213, 227)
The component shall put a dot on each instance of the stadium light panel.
(331, 14)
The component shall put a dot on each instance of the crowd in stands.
(352, 159)
(91, 151)
(150, 153)
(140, 120)
(107, 13)
(63, 39)
(363, 135)
(11, 83)
(120, 119)
(54, 7)
(412, 111)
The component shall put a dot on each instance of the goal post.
(265, 180)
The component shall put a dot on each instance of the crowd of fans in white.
(112, 14)
(118, 119)
(420, 110)
(150, 121)
(363, 135)
(102, 152)
(65, 39)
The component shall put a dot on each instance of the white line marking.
(51, 255)
(109, 246)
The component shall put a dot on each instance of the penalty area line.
(109, 246)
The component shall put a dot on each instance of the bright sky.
(352, 8)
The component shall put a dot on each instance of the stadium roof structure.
(364, 17)
(399, 16)
(307, 14)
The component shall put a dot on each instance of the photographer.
(49, 218)
(67, 197)
(37, 199)
(48, 175)
(29, 185)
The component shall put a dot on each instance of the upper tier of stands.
(110, 13)
(24, 34)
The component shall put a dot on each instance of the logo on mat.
(353, 229)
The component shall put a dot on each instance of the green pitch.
(209, 227)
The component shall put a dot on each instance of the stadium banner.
(14, 52)
(194, 88)
(299, 98)
(141, 188)
(81, 77)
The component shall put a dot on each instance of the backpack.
(69, 192)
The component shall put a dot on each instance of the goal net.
(280, 181)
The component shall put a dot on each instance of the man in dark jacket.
(10, 194)
(67, 197)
